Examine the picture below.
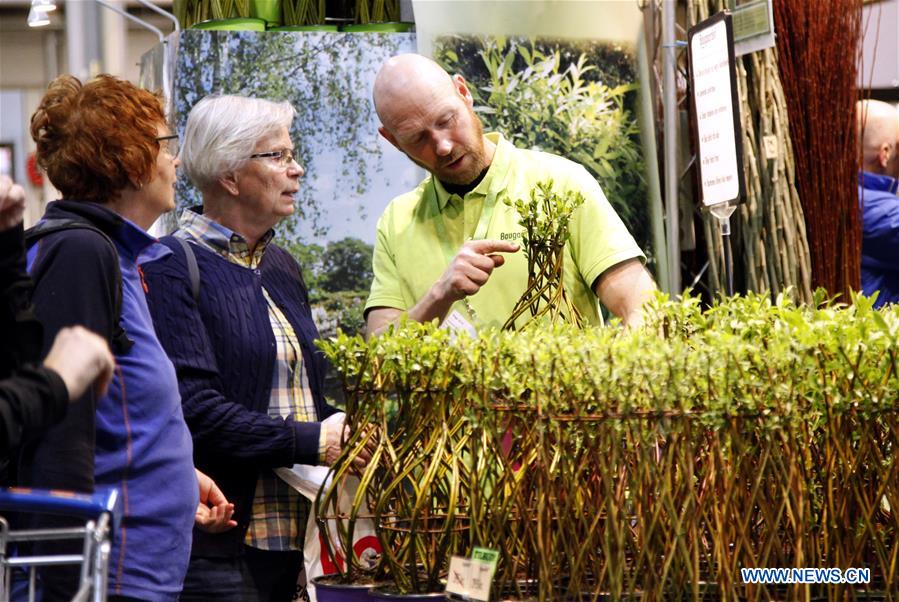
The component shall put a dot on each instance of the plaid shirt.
(278, 518)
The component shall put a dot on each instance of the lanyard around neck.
(450, 251)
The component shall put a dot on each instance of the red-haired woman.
(106, 147)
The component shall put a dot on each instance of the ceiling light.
(37, 18)
(44, 6)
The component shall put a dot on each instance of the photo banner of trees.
(351, 172)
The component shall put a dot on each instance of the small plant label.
(470, 578)
(459, 576)
(456, 324)
(770, 147)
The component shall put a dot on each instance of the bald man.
(449, 250)
(878, 124)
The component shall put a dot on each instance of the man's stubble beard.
(478, 155)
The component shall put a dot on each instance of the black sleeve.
(75, 276)
(21, 340)
(33, 399)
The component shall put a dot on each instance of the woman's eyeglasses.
(283, 157)
(169, 144)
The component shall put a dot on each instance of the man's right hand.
(81, 358)
(472, 267)
(12, 203)
(467, 273)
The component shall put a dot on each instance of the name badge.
(457, 324)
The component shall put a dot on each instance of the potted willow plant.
(305, 15)
(402, 386)
(423, 499)
(545, 217)
(228, 14)
(377, 11)
(660, 462)
(377, 16)
(345, 498)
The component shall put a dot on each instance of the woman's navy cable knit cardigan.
(223, 350)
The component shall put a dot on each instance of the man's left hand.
(624, 288)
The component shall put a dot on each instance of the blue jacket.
(134, 437)
(223, 349)
(880, 241)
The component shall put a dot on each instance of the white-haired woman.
(249, 374)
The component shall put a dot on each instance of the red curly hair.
(95, 139)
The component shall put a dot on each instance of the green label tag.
(751, 18)
(486, 555)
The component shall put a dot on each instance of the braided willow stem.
(545, 218)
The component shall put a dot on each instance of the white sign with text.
(711, 69)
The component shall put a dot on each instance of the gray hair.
(222, 132)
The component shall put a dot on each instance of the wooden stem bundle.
(819, 50)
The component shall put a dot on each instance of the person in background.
(106, 147)
(242, 341)
(447, 250)
(895, 170)
(878, 126)
(34, 396)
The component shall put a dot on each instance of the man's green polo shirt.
(421, 231)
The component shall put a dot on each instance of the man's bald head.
(430, 117)
(878, 127)
(408, 76)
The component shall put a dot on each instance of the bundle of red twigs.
(819, 45)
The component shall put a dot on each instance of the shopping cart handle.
(82, 505)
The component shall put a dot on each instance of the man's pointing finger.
(486, 247)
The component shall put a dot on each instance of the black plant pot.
(340, 11)
(328, 590)
(384, 594)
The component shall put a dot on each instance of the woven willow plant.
(369, 11)
(401, 402)
(303, 12)
(545, 217)
(365, 422)
(294, 12)
(190, 12)
(654, 463)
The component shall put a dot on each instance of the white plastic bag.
(308, 480)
